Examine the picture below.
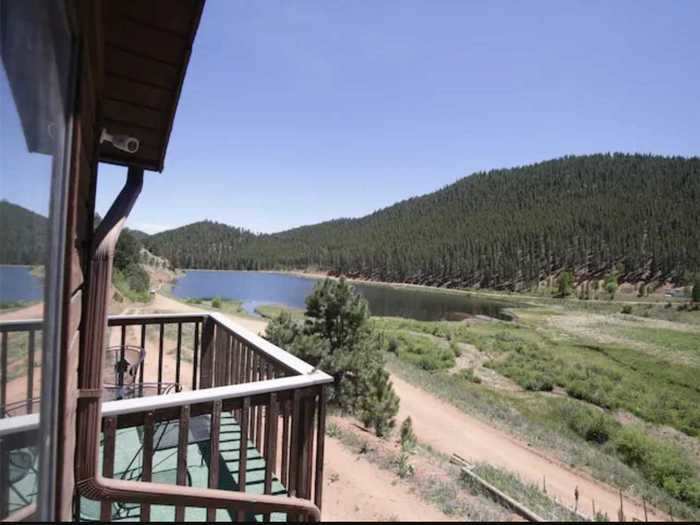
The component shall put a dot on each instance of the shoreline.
(494, 295)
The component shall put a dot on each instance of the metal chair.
(120, 369)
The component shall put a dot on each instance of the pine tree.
(335, 338)
(566, 281)
(379, 404)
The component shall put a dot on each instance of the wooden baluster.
(253, 410)
(320, 443)
(251, 364)
(214, 454)
(227, 358)
(30, 372)
(266, 413)
(110, 435)
(285, 443)
(3, 381)
(231, 359)
(294, 451)
(215, 372)
(195, 356)
(161, 338)
(246, 363)
(4, 472)
(308, 437)
(236, 352)
(147, 467)
(270, 446)
(182, 445)
(243, 452)
(259, 409)
(143, 345)
(178, 352)
(207, 355)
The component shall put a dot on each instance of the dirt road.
(449, 430)
(356, 490)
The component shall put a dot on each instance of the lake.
(258, 288)
(18, 284)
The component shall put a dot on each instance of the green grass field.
(580, 371)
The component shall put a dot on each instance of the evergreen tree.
(566, 282)
(336, 338)
(696, 290)
(611, 286)
(378, 404)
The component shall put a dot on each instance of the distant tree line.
(23, 235)
(508, 229)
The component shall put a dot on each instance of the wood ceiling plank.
(123, 89)
(126, 112)
(137, 38)
(140, 68)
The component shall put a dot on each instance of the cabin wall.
(82, 184)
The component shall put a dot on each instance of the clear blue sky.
(298, 112)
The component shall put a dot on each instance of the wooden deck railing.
(277, 401)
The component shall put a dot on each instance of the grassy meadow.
(617, 394)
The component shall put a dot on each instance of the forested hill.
(502, 229)
(22, 235)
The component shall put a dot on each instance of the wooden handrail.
(272, 352)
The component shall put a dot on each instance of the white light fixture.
(121, 142)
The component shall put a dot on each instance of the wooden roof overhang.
(147, 47)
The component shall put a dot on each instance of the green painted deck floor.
(127, 465)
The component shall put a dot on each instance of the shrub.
(627, 309)
(216, 302)
(423, 352)
(535, 381)
(405, 469)
(592, 389)
(695, 294)
(456, 350)
(592, 425)
(393, 346)
(408, 437)
(661, 463)
(468, 375)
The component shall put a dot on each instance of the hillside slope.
(22, 235)
(501, 229)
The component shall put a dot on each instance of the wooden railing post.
(3, 369)
(206, 359)
(110, 436)
(320, 444)
(4, 479)
(147, 465)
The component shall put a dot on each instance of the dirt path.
(449, 430)
(356, 490)
(33, 311)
